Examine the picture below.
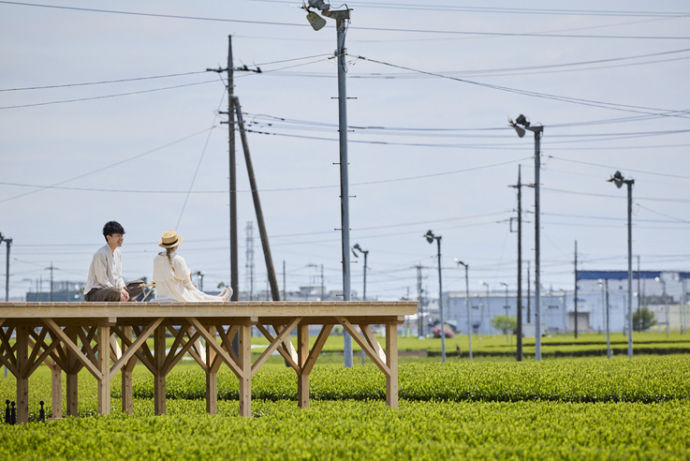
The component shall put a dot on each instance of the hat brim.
(171, 245)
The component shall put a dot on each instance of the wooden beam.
(187, 347)
(211, 375)
(245, 355)
(302, 355)
(364, 345)
(132, 348)
(159, 387)
(73, 348)
(316, 349)
(274, 344)
(221, 352)
(281, 350)
(22, 342)
(56, 390)
(392, 362)
(103, 345)
(373, 342)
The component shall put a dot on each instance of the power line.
(106, 96)
(101, 82)
(97, 170)
(377, 29)
(536, 94)
(611, 167)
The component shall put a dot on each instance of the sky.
(107, 113)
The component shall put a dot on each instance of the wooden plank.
(159, 388)
(145, 351)
(22, 342)
(371, 339)
(127, 399)
(316, 349)
(103, 345)
(245, 355)
(73, 348)
(226, 339)
(211, 376)
(179, 338)
(364, 345)
(199, 349)
(186, 348)
(56, 390)
(132, 348)
(146, 359)
(274, 344)
(281, 350)
(8, 353)
(221, 352)
(41, 358)
(286, 345)
(392, 362)
(302, 355)
(36, 344)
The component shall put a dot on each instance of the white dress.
(174, 281)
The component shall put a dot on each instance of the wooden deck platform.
(107, 338)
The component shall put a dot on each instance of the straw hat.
(170, 239)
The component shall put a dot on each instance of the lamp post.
(605, 294)
(666, 308)
(506, 306)
(467, 302)
(430, 237)
(521, 125)
(364, 290)
(485, 306)
(8, 242)
(619, 180)
(341, 17)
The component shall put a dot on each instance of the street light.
(467, 302)
(356, 249)
(605, 290)
(430, 237)
(485, 307)
(619, 180)
(522, 125)
(666, 308)
(342, 17)
(506, 306)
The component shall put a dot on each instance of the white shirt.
(105, 270)
(173, 281)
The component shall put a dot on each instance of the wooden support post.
(392, 362)
(159, 388)
(127, 376)
(56, 380)
(245, 356)
(72, 378)
(303, 374)
(22, 342)
(103, 357)
(211, 377)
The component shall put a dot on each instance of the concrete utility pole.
(521, 125)
(529, 294)
(8, 243)
(619, 180)
(518, 351)
(51, 268)
(575, 291)
(234, 270)
(273, 281)
(420, 301)
(284, 290)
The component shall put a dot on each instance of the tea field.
(579, 408)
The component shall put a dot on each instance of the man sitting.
(105, 281)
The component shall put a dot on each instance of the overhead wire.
(376, 29)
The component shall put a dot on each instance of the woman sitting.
(173, 278)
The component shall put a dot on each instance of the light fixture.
(429, 236)
(316, 21)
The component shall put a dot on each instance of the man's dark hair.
(112, 227)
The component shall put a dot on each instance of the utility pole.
(8, 243)
(639, 295)
(322, 287)
(200, 277)
(234, 270)
(518, 356)
(575, 291)
(529, 295)
(275, 292)
(284, 290)
(249, 258)
(420, 302)
(608, 325)
(51, 268)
